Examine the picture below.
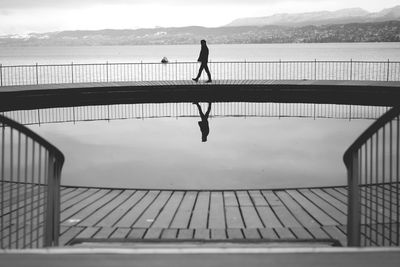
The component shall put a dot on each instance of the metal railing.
(232, 70)
(176, 110)
(30, 170)
(372, 163)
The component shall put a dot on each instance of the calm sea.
(224, 52)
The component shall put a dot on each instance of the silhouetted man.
(203, 59)
(203, 124)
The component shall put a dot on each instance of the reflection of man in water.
(203, 124)
(203, 59)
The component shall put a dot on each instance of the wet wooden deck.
(127, 214)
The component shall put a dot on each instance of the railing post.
(37, 74)
(141, 71)
(49, 219)
(107, 71)
(176, 70)
(351, 69)
(315, 69)
(353, 206)
(1, 74)
(72, 72)
(280, 64)
(388, 67)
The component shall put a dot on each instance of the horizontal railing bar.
(195, 62)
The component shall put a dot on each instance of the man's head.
(203, 42)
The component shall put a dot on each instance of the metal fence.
(372, 164)
(233, 70)
(30, 171)
(176, 110)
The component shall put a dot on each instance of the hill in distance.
(350, 15)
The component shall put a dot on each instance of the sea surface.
(180, 53)
(167, 152)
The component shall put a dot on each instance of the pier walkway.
(105, 214)
(379, 93)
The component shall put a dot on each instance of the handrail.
(194, 62)
(30, 173)
(220, 70)
(58, 154)
(371, 130)
(372, 163)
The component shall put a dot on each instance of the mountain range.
(350, 15)
(348, 25)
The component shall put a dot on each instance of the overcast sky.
(24, 16)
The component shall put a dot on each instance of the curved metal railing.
(372, 163)
(182, 110)
(30, 172)
(16, 75)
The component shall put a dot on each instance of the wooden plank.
(164, 219)
(251, 234)
(258, 198)
(334, 213)
(68, 235)
(102, 212)
(202, 234)
(284, 233)
(336, 195)
(71, 210)
(133, 214)
(217, 213)
(136, 233)
(153, 233)
(88, 232)
(268, 233)
(268, 217)
(112, 218)
(185, 234)
(232, 212)
(120, 232)
(318, 233)
(335, 233)
(91, 207)
(78, 196)
(298, 212)
(182, 216)
(230, 199)
(285, 217)
(244, 199)
(234, 233)
(316, 212)
(331, 200)
(200, 212)
(169, 234)
(218, 234)
(104, 232)
(152, 211)
(301, 233)
(248, 211)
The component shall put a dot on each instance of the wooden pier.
(99, 214)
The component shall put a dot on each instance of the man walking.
(203, 59)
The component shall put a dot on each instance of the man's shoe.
(195, 79)
(208, 81)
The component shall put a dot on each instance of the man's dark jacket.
(203, 58)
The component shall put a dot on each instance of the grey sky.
(24, 16)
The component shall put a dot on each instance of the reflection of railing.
(175, 110)
(373, 163)
(30, 180)
(245, 70)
